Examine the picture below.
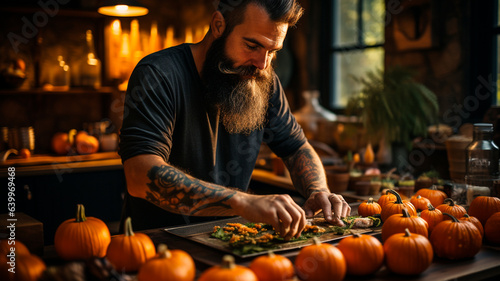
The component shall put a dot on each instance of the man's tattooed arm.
(306, 170)
(177, 192)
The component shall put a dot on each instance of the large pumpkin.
(168, 265)
(454, 239)
(435, 196)
(82, 237)
(432, 216)
(396, 207)
(482, 207)
(492, 229)
(369, 208)
(128, 251)
(420, 202)
(228, 271)
(398, 223)
(7, 246)
(363, 254)
(408, 253)
(451, 208)
(272, 267)
(27, 268)
(320, 262)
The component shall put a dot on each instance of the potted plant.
(393, 107)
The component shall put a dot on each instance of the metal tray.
(200, 233)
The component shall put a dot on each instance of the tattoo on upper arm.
(174, 191)
(306, 174)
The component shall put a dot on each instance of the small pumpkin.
(168, 265)
(433, 194)
(399, 222)
(385, 198)
(82, 237)
(28, 267)
(396, 207)
(492, 229)
(475, 222)
(432, 216)
(7, 246)
(85, 143)
(272, 267)
(482, 207)
(455, 239)
(128, 251)
(369, 208)
(408, 253)
(320, 262)
(62, 143)
(363, 254)
(419, 202)
(451, 208)
(228, 271)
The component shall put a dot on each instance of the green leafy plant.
(393, 105)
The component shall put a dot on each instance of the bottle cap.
(483, 127)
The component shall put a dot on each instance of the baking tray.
(200, 233)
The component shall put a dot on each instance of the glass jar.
(482, 163)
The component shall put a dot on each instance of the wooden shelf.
(61, 12)
(72, 91)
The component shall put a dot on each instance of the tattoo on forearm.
(174, 191)
(307, 174)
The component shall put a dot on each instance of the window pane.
(353, 64)
(345, 26)
(373, 21)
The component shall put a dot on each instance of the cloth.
(165, 115)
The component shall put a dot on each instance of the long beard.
(242, 102)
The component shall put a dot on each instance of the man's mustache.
(249, 70)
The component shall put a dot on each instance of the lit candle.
(113, 49)
(189, 35)
(135, 42)
(153, 39)
(169, 37)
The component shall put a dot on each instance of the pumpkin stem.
(430, 207)
(163, 251)
(227, 262)
(356, 235)
(407, 232)
(370, 201)
(449, 201)
(452, 217)
(316, 240)
(398, 197)
(418, 197)
(270, 254)
(405, 213)
(128, 227)
(466, 216)
(80, 213)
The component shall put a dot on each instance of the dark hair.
(282, 11)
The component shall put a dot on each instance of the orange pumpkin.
(82, 237)
(168, 265)
(228, 271)
(363, 254)
(85, 143)
(419, 202)
(320, 262)
(432, 216)
(272, 267)
(451, 208)
(455, 239)
(369, 208)
(7, 246)
(128, 251)
(398, 223)
(27, 268)
(61, 143)
(396, 207)
(408, 253)
(492, 229)
(386, 198)
(435, 196)
(475, 222)
(482, 207)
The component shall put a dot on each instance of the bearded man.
(196, 115)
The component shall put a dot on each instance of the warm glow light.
(123, 11)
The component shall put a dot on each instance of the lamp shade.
(122, 8)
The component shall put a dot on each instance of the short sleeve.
(149, 115)
(282, 134)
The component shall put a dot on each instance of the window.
(357, 37)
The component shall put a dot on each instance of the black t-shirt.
(166, 115)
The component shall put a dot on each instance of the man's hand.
(280, 211)
(328, 202)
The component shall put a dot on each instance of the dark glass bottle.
(482, 168)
